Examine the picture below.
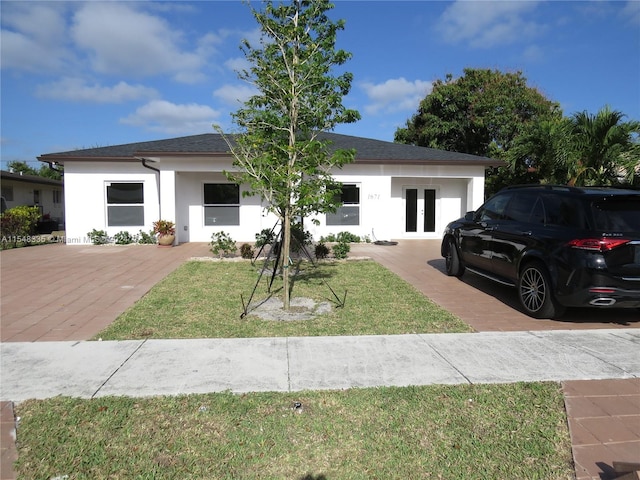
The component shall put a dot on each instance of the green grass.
(513, 431)
(203, 300)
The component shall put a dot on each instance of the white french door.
(420, 210)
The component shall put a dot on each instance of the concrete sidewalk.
(170, 367)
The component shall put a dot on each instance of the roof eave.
(456, 162)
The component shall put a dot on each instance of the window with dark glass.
(221, 204)
(494, 209)
(349, 212)
(563, 211)
(125, 204)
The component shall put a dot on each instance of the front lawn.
(513, 431)
(203, 300)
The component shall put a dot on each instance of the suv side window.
(494, 209)
(537, 214)
(564, 211)
(520, 208)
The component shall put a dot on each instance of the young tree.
(279, 153)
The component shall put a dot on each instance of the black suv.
(559, 246)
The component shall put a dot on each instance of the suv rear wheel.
(536, 293)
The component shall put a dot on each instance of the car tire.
(535, 291)
(453, 264)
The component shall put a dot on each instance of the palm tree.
(606, 149)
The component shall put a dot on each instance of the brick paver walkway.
(60, 292)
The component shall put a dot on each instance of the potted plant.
(166, 232)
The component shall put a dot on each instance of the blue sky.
(92, 74)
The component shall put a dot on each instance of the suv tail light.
(597, 244)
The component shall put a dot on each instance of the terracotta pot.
(166, 240)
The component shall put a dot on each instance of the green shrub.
(98, 237)
(18, 224)
(331, 238)
(146, 238)
(265, 237)
(347, 237)
(246, 251)
(299, 237)
(123, 238)
(321, 251)
(222, 244)
(340, 250)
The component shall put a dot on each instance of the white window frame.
(331, 219)
(236, 206)
(137, 205)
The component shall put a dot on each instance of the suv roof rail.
(561, 188)
(568, 188)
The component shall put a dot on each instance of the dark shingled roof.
(4, 175)
(367, 151)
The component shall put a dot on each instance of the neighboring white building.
(390, 191)
(33, 190)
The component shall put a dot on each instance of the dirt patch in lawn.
(301, 308)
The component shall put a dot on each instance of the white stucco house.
(390, 191)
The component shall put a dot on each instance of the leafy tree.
(279, 154)
(18, 224)
(48, 172)
(43, 171)
(540, 154)
(480, 113)
(22, 167)
(605, 149)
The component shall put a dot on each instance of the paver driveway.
(65, 292)
(71, 292)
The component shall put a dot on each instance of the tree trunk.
(286, 247)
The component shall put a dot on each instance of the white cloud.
(77, 90)
(486, 24)
(533, 53)
(173, 119)
(235, 94)
(33, 37)
(631, 12)
(237, 64)
(122, 40)
(396, 94)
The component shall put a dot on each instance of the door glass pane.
(429, 210)
(411, 214)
